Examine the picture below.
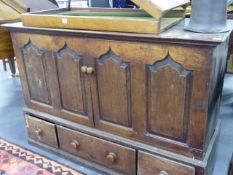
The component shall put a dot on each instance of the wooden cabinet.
(137, 94)
(114, 89)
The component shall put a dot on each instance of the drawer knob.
(75, 144)
(163, 173)
(90, 70)
(38, 132)
(84, 69)
(111, 157)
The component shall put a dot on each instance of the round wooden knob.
(38, 132)
(90, 70)
(111, 157)
(75, 144)
(84, 69)
(163, 173)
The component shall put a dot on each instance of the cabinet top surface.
(176, 34)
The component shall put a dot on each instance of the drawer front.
(151, 164)
(41, 131)
(110, 155)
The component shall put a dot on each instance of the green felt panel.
(121, 14)
(107, 14)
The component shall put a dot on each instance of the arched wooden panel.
(113, 77)
(35, 72)
(168, 97)
(71, 80)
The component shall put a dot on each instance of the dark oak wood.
(126, 92)
(74, 92)
(33, 59)
(195, 39)
(168, 112)
(41, 131)
(151, 164)
(204, 166)
(103, 152)
(94, 166)
(68, 65)
(113, 84)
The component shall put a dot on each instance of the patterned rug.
(15, 160)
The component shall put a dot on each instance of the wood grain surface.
(41, 131)
(6, 48)
(98, 150)
(161, 93)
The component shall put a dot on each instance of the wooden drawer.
(113, 156)
(41, 131)
(151, 164)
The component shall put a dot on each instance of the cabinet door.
(74, 89)
(52, 79)
(112, 96)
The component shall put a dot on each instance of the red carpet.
(15, 160)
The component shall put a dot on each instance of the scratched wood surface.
(159, 91)
(118, 90)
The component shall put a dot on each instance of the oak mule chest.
(123, 103)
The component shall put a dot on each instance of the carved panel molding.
(35, 68)
(71, 80)
(168, 99)
(113, 77)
